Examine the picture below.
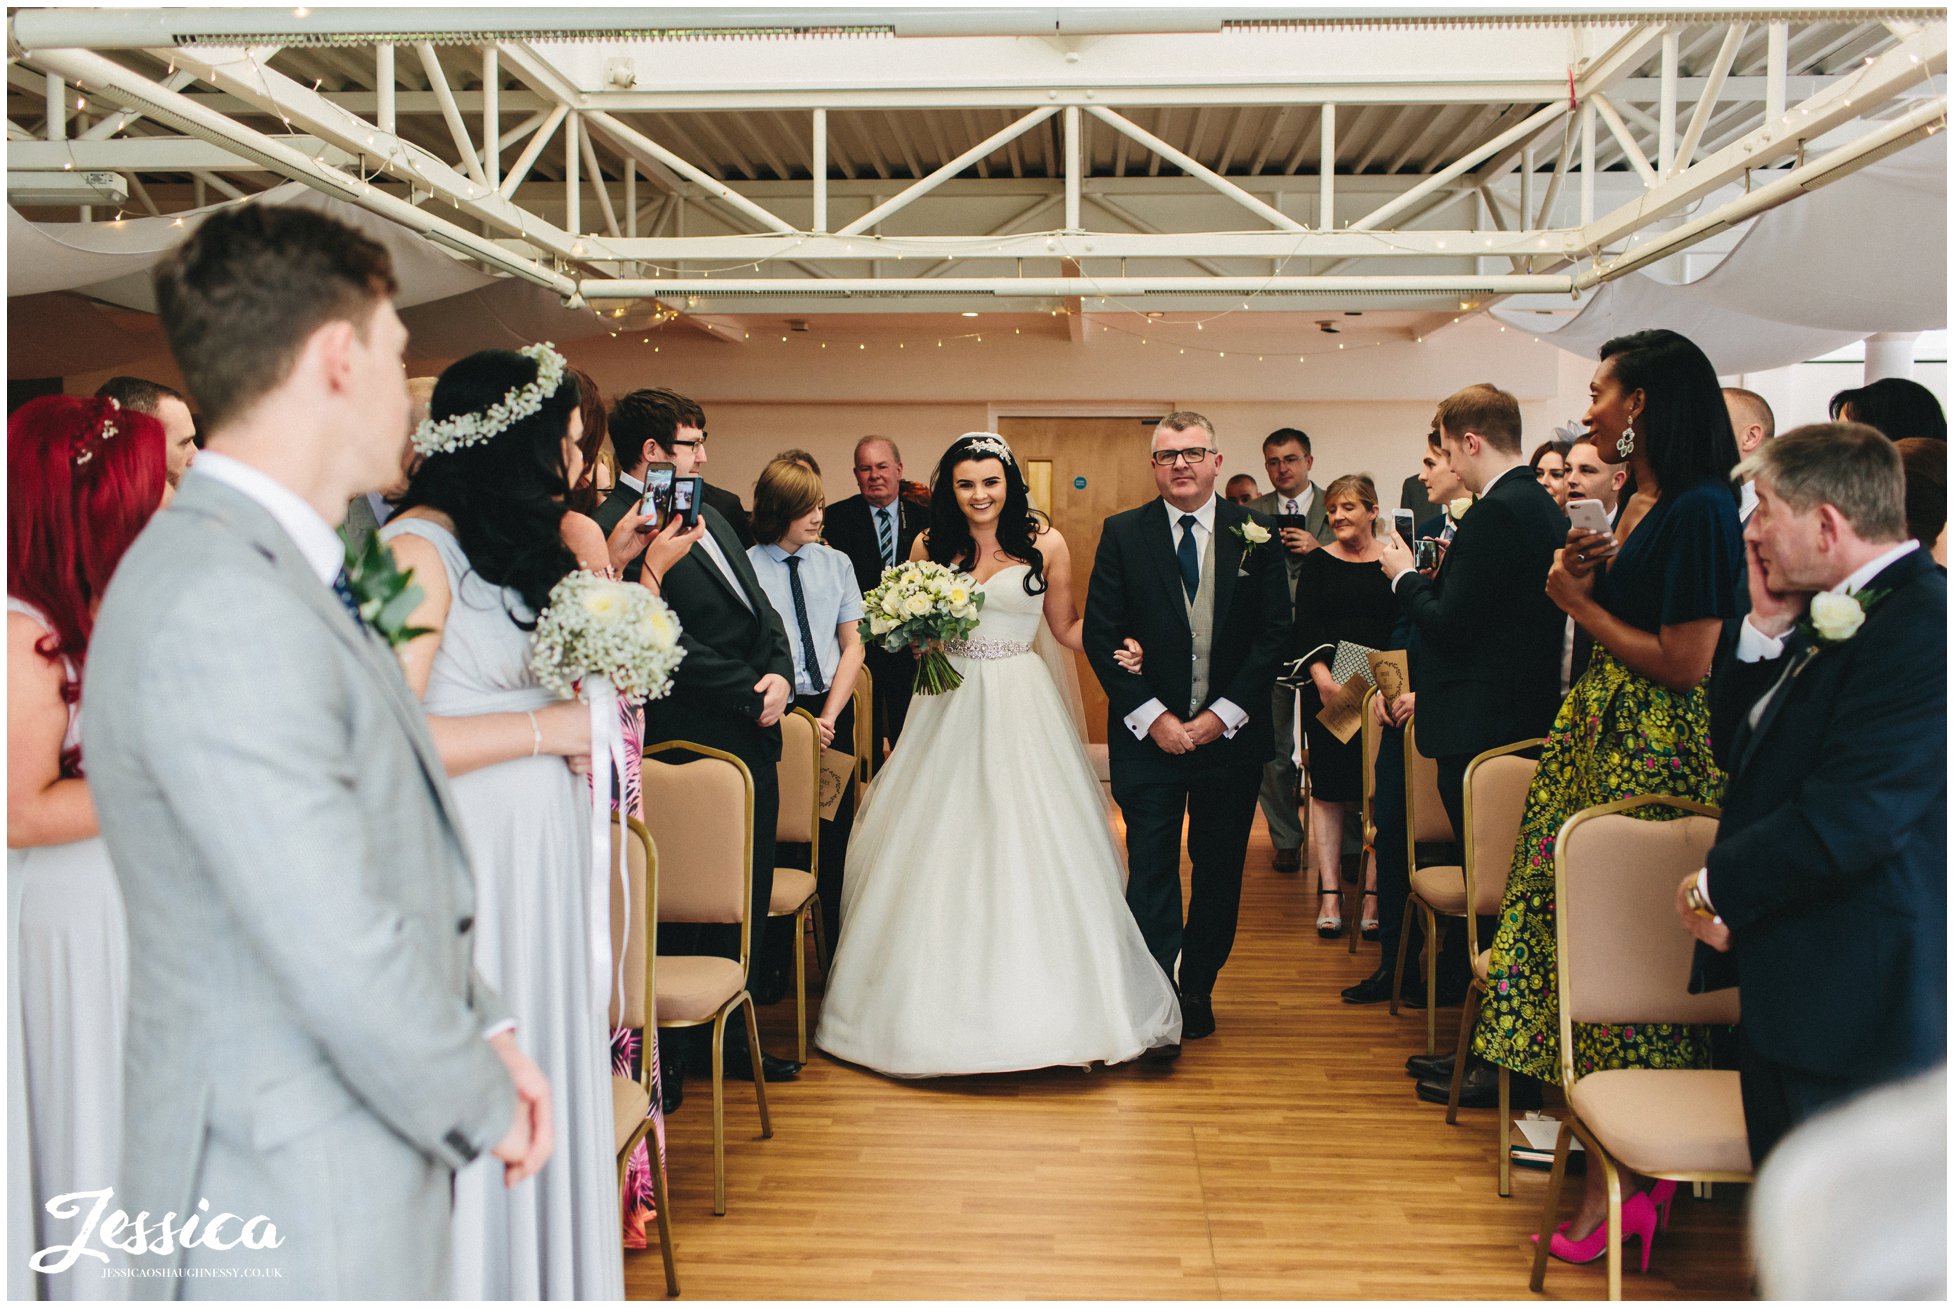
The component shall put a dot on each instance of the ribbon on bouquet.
(606, 855)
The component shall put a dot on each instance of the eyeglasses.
(690, 445)
(1193, 455)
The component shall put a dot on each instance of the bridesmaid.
(83, 477)
(481, 525)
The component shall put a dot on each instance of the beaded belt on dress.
(986, 649)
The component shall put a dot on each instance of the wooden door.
(1098, 468)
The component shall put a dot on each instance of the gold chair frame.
(744, 999)
(636, 830)
(1369, 736)
(1476, 991)
(865, 742)
(1573, 1127)
(808, 914)
(1414, 902)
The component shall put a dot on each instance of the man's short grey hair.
(1755, 408)
(894, 453)
(1185, 420)
(1847, 465)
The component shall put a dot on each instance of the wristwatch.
(1693, 898)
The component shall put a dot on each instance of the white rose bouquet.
(594, 627)
(922, 604)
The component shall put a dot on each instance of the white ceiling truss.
(863, 160)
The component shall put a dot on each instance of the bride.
(984, 919)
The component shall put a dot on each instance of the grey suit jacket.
(305, 1029)
(1316, 521)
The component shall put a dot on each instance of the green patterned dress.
(1617, 735)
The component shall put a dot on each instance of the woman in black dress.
(1341, 595)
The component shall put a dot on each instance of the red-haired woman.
(83, 477)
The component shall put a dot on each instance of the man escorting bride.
(983, 928)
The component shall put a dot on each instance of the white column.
(1889, 354)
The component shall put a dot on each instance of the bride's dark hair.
(505, 494)
(1017, 526)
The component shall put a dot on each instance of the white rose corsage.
(1834, 618)
(1457, 508)
(1252, 534)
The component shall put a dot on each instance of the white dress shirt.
(318, 543)
(1747, 501)
(1141, 719)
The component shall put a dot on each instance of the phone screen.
(657, 502)
(685, 499)
(1407, 524)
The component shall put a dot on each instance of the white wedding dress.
(984, 919)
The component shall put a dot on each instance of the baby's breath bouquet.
(922, 604)
(594, 627)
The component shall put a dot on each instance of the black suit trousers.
(1779, 1098)
(894, 676)
(1219, 806)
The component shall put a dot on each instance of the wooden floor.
(1284, 1157)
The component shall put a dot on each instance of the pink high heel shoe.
(1638, 1223)
(1663, 1195)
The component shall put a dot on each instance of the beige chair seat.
(1441, 885)
(629, 1104)
(1482, 967)
(1658, 1121)
(693, 988)
(791, 888)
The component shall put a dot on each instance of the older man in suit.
(1827, 884)
(1296, 504)
(1197, 582)
(875, 530)
(307, 1039)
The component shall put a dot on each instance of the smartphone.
(688, 493)
(1406, 523)
(1588, 515)
(1426, 553)
(656, 506)
(1297, 521)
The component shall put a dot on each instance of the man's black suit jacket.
(728, 646)
(1830, 866)
(1136, 591)
(1489, 639)
(848, 527)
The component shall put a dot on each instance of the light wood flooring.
(1284, 1157)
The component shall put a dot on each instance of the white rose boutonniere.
(1252, 534)
(1835, 619)
(1457, 508)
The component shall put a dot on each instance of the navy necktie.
(1190, 556)
(342, 588)
(808, 659)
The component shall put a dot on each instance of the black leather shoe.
(1429, 1067)
(1414, 996)
(1161, 1054)
(1373, 989)
(671, 1077)
(1197, 1017)
(769, 988)
(739, 1064)
(1289, 860)
(1481, 1089)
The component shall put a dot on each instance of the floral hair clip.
(465, 429)
(85, 454)
(991, 443)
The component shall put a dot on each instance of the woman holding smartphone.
(1341, 596)
(1654, 597)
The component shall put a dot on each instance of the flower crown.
(83, 453)
(989, 443)
(472, 428)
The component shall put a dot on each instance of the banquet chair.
(1496, 785)
(1370, 736)
(1437, 889)
(706, 876)
(634, 947)
(864, 699)
(794, 891)
(1623, 959)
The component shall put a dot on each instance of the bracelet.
(536, 732)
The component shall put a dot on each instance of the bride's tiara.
(989, 442)
(474, 427)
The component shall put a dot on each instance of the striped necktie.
(885, 535)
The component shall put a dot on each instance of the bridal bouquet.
(594, 627)
(922, 604)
